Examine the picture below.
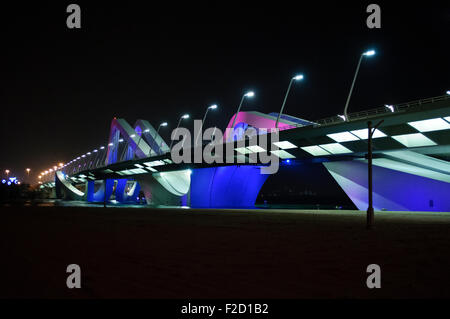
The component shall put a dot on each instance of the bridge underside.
(397, 185)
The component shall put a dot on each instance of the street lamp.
(28, 174)
(212, 107)
(448, 92)
(365, 54)
(7, 173)
(184, 117)
(248, 94)
(295, 78)
(163, 124)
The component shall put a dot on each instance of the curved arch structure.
(260, 120)
(122, 194)
(398, 185)
(226, 186)
(99, 195)
(176, 182)
(65, 189)
(157, 194)
(147, 132)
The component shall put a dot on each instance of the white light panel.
(315, 150)
(256, 149)
(343, 137)
(243, 150)
(414, 140)
(285, 145)
(282, 154)
(363, 134)
(430, 125)
(335, 148)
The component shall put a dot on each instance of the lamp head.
(185, 116)
(369, 53)
(390, 107)
(250, 94)
(298, 77)
(165, 123)
(213, 107)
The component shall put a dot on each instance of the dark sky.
(60, 88)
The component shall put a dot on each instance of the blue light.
(3, 181)
(9, 183)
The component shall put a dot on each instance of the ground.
(183, 253)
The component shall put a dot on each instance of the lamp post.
(163, 124)
(212, 107)
(140, 138)
(28, 174)
(295, 78)
(367, 54)
(370, 211)
(7, 173)
(185, 116)
(248, 94)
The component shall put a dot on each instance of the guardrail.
(403, 107)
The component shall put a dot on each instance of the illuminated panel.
(414, 140)
(315, 150)
(138, 171)
(282, 154)
(139, 165)
(363, 134)
(285, 145)
(243, 150)
(335, 148)
(430, 125)
(168, 161)
(125, 172)
(256, 149)
(154, 163)
(343, 137)
(447, 119)
(151, 169)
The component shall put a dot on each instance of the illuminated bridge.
(411, 161)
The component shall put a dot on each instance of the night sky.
(60, 88)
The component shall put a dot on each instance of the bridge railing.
(403, 107)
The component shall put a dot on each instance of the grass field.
(183, 253)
